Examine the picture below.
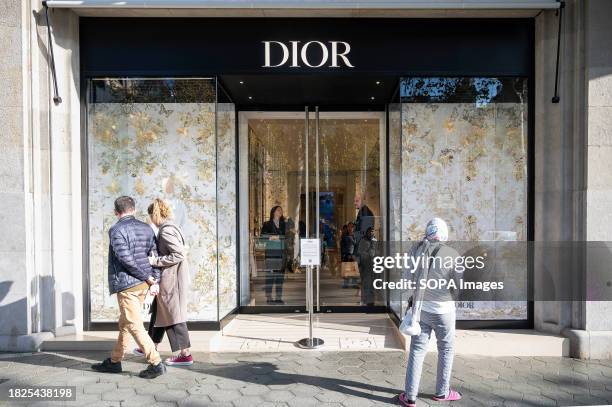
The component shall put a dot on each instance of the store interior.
(348, 168)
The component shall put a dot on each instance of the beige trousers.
(130, 323)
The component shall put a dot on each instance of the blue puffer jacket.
(131, 243)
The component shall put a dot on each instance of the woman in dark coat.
(276, 259)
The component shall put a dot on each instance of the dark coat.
(347, 247)
(364, 221)
(131, 242)
(269, 228)
(276, 256)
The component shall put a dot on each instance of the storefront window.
(169, 139)
(464, 159)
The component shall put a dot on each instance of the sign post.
(310, 256)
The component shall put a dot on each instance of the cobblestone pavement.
(313, 379)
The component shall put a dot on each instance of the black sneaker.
(107, 366)
(152, 371)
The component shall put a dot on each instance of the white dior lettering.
(295, 54)
(343, 55)
(299, 54)
(305, 54)
(267, 53)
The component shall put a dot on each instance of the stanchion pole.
(310, 342)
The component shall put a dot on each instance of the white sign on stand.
(310, 252)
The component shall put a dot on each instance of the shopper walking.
(437, 315)
(169, 309)
(129, 276)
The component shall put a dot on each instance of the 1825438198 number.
(58, 393)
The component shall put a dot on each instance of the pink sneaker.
(453, 395)
(180, 360)
(138, 352)
(404, 402)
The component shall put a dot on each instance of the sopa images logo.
(333, 54)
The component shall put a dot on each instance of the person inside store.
(364, 219)
(274, 232)
(323, 245)
(437, 314)
(169, 308)
(367, 251)
(131, 277)
(290, 241)
(347, 252)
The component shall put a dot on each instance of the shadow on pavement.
(266, 373)
(263, 373)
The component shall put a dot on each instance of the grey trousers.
(444, 327)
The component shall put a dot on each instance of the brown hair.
(159, 211)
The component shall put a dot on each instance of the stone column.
(40, 266)
(16, 306)
(598, 56)
(559, 159)
(573, 175)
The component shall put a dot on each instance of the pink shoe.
(404, 402)
(453, 395)
(180, 360)
(138, 352)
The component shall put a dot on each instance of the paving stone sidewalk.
(313, 379)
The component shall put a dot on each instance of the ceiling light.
(378, 82)
(372, 97)
(250, 97)
(242, 82)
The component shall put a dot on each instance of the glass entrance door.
(277, 171)
(316, 175)
(349, 186)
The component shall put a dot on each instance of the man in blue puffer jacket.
(130, 275)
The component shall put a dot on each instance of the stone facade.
(572, 161)
(40, 187)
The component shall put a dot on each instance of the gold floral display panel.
(466, 162)
(172, 151)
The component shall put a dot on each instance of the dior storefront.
(229, 118)
(339, 116)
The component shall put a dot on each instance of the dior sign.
(332, 54)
